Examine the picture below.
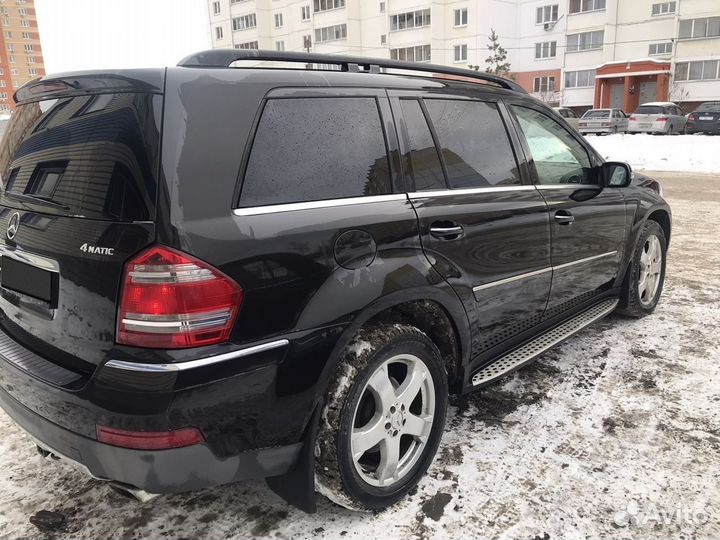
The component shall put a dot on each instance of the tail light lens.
(661, 119)
(633, 119)
(606, 124)
(149, 440)
(582, 124)
(691, 117)
(170, 300)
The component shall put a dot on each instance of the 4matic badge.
(97, 250)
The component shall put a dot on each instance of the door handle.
(563, 217)
(446, 230)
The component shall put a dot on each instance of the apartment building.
(576, 53)
(21, 56)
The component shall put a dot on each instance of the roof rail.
(222, 58)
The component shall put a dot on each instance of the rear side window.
(309, 149)
(89, 156)
(474, 143)
(423, 161)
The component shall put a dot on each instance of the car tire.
(643, 283)
(352, 469)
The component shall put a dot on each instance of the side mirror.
(615, 174)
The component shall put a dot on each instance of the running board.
(525, 353)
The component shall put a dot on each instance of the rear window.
(90, 156)
(309, 149)
(709, 107)
(649, 109)
(597, 114)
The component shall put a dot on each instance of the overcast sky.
(94, 34)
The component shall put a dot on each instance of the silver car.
(658, 117)
(569, 115)
(602, 121)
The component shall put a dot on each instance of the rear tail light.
(149, 440)
(582, 124)
(691, 117)
(661, 119)
(606, 124)
(633, 119)
(170, 300)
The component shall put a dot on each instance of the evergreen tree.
(497, 63)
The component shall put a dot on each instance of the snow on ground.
(615, 434)
(696, 153)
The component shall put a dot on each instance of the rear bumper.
(160, 471)
(587, 130)
(703, 128)
(651, 129)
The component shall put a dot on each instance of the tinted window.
(649, 109)
(559, 158)
(423, 161)
(56, 158)
(474, 143)
(316, 148)
(710, 106)
(597, 114)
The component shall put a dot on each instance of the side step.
(525, 353)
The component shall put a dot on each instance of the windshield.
(597, 113)
(92, 156)
(649, 109)
(711, 106)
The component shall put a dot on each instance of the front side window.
(559, 158)
(422, 160)
(310, 149)
(474, 144)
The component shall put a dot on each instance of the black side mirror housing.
(615, 174)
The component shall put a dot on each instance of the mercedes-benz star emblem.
(13, 225)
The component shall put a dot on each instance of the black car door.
(587, 221)
(483, 226)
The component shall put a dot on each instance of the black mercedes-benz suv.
(214, 272)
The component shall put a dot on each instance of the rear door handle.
(446, 230)
(563, 217)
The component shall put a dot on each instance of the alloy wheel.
(650, 270)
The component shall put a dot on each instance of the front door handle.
(446, 230)
(563, 217)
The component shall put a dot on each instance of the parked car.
(602, 121)
(705, 119)
(213, 273)
(662, 118)
(569, 115)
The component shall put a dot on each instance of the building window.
(26, 35)
(278, 20)
(6, 22)
(383, 39)
(660, 48)
(11, 59)
(28, 48)
(306, 13)
(461, 17)
(3, 96)
(14, 72)
(585, 41)
(461, 53)
(8, 34)
(11, 47)
(580, 79)
(244, 22)
(247, 45)
(546, 49)
(331, 33)
(544, 84)
(279, 45)
(25, 23)
(700, 28)
(546, 14)
(4, 11)
(419, 53)
(218, 32)
(3, 84)
(382, 7)
(581, 6)
(30, 60)
(697, 71)
(325, 5)
(410, 19)
(33, 72)
(216, 8)
(307, 42)
(23, 12)
(663, 8)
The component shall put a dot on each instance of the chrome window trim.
(526, 275)
(568, 186)
(309, 205)
(469, 191)
(192, 364)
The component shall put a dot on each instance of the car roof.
(659, 103)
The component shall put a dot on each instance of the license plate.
(707, 118)
(29, 280)
(646, 126)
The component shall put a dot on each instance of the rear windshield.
(597, 114)
(90, 156)
(710, 107)
(649, 109)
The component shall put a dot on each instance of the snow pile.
(695, 153)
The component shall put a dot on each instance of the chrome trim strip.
(567, 186)
(30, 258)
(586, 259)
(309, 205)
(541, 271)
(511, 279)
(192, 364)
(469, 191)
